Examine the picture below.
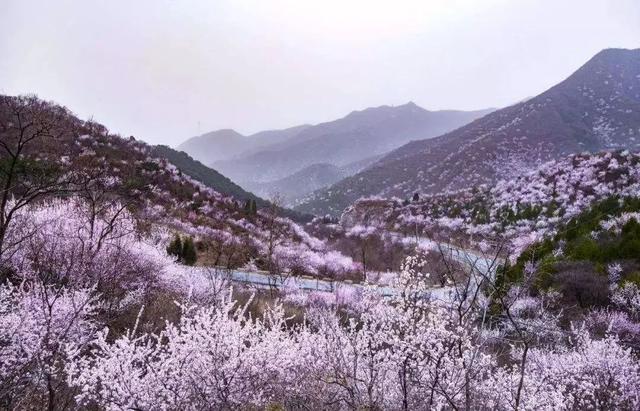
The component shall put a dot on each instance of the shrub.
(581, 284)
(585, 249)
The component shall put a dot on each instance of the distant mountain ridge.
(228, 143)
(596, 108)
(292, 189)
(359, 135)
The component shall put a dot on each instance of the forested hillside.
(213, 179)
(99, 304)
(596, 108)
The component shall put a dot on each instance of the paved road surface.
(262, 279)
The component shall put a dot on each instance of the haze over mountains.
(293, 188)
(391, 150)
(346, 145)
(227, 143)
(596, 108)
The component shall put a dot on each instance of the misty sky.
(166, 70)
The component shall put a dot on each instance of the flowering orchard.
(69, 280)
(95, 314)
(523, 210)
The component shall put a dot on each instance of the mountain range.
(322, 153)
(596, 108)
(227, 143)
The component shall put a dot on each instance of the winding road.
(262, 279)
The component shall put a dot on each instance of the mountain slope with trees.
(213, 179)
(99, 310)
(596, 108)
(48, 153)
(517, 211)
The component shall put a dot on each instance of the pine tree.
(254, 207)
(189, 256)
(175, 247)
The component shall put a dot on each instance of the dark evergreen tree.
(175, 247)
(189, 256)
(416, 197)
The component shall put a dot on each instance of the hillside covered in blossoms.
(397, 258)
(521, 210)
(99, 304)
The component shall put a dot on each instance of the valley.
(393, 258)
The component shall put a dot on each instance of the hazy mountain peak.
(385, 110)
(359, 135)
(614, 54)
(222, 133)
(278, 135)
(411, 105)
(228, 143)
(596, 108)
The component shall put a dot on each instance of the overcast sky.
(166, 70)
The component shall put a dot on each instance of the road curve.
(262, 279)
